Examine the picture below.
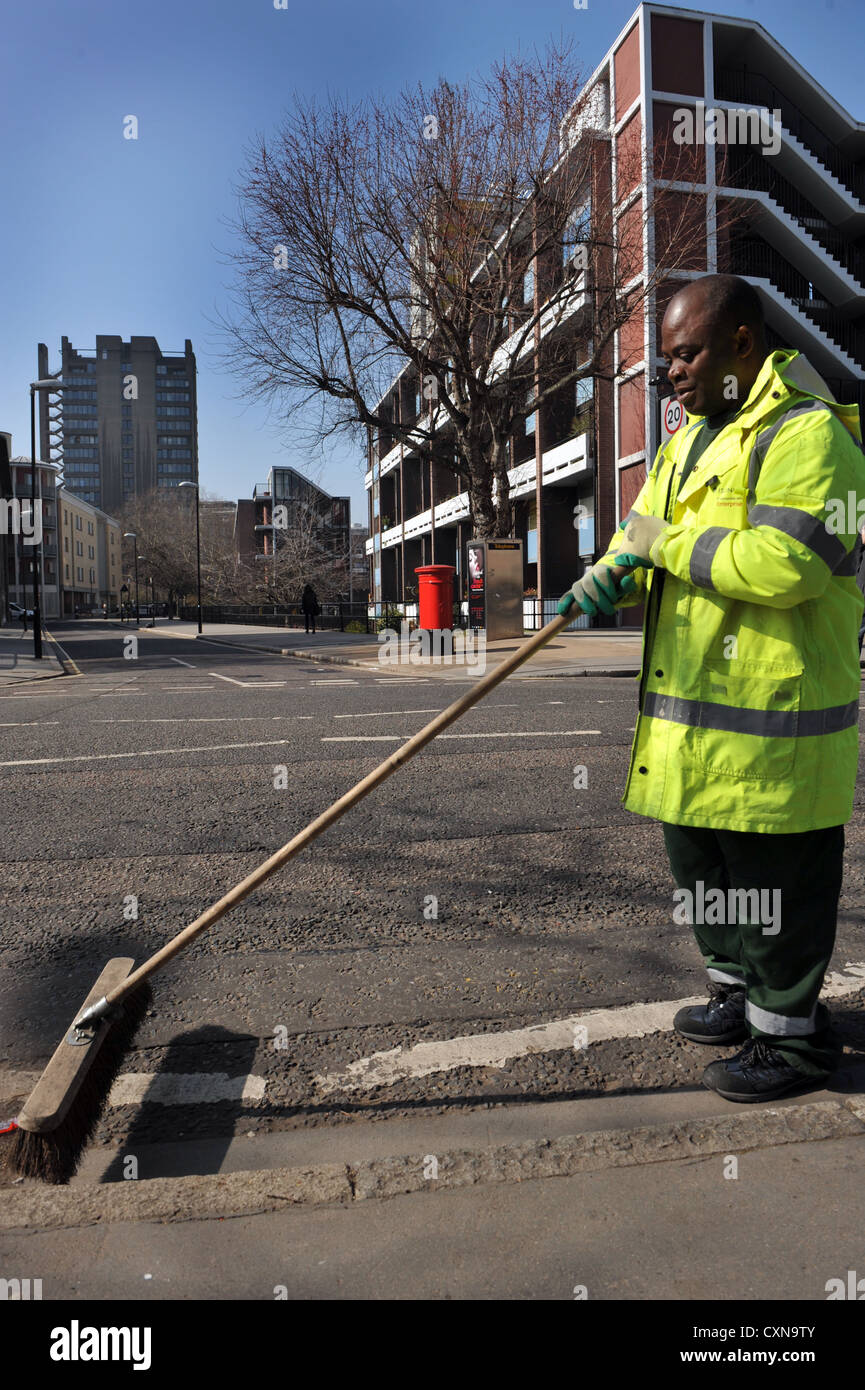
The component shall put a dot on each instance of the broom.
(63, 1110)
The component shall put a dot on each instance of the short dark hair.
(732, 301)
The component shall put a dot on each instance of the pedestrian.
(309, 606)
(746, 739)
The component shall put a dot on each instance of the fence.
(362, 617)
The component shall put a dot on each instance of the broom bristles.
(53, 1155)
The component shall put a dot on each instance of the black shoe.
(721, 1021)
(758, 1072)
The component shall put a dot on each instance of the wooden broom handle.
(339, 808)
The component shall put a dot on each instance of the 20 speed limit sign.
(672, 416)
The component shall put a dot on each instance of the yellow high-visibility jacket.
(749, 688)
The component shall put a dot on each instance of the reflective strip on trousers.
(762, 723)
(719, 978)
(779, 1025)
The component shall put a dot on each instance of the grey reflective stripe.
(630, 517)
(703, 554)
(778, 1024)
(762, 723)
(761, 445)
(804, 527)
(721, 979)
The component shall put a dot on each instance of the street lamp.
(48, 384)
(132, 536)
(197, 546)
(152, 596)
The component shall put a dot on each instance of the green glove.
(598, 591)
(638, 537)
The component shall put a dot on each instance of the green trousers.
(775, 936)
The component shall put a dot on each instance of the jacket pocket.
(748, 719)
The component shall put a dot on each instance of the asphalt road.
(477, 890)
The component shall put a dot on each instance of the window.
(127, 453)
(80, 573)
(92, 576)
(578, 229)
(112, 537)
(529, 285)
(172, 395)
(172, 410)
(105, 354)
(91, 553)
(66, 571)
(79, 548)
(173, 439)
(161, 369)
(90, 528)
(127, 439)
(78, 523)
(65, 516)
(174, 453)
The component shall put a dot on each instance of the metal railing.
(741, 168)
(749, 256)
(757, 90)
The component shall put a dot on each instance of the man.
(747, 736)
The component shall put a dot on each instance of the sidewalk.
(614, 653)
(17, 662)
(622, 1196)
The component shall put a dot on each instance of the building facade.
(775, 194)
(293, 515)
(127, 418)
(90, 555)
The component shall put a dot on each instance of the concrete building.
(127, 418)
(780, 200)
(292, 511)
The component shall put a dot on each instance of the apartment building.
(20, 552)
(775, 193)
(291, 510)
(90, 555)
(126, 421)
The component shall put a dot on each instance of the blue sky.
(105, 235)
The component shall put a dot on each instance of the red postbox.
(435, 597)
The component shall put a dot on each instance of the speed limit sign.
(672, 416)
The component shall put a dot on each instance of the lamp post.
(132, 536)
(197, 546)
(152, 597)
(48, 384)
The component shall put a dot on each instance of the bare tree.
(467, 233)
(164, 523)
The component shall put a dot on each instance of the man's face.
(711, 367)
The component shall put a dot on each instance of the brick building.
(776, 194)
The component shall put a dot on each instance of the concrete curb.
(11, 679)
(413, 670)
(210, 1197)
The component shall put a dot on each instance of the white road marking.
(334, 682)
(28, 723)
(144, 753)
(496, 1049)
(181, 1088)
(389, 738)
(183, 663)
(385, 713)
(201, 719)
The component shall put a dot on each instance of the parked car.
(16, 611)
